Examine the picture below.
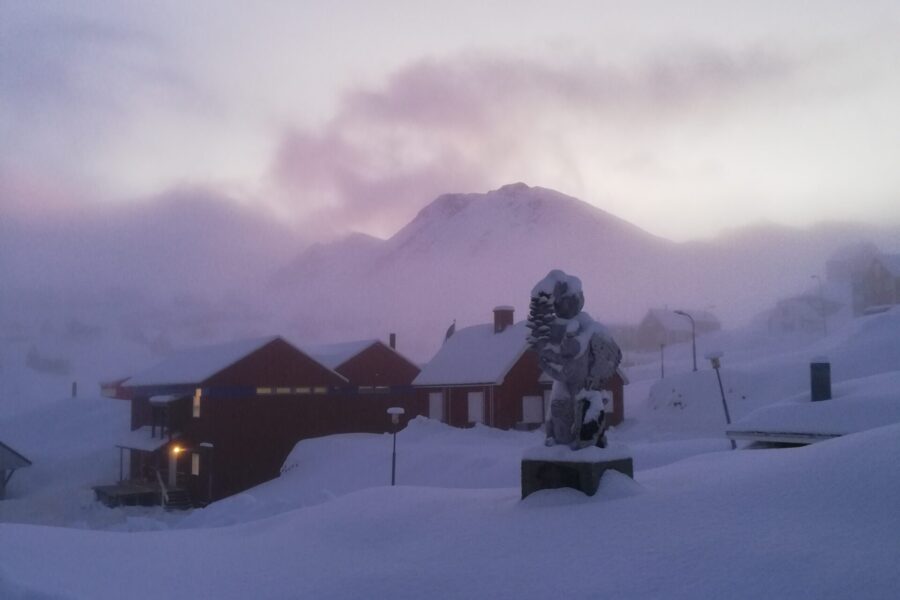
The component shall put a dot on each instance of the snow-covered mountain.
(463, 254)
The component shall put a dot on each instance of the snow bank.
(816, 522)
(856, 405)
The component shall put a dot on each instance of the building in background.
(486, 374)
(662, 326)
(212, 421)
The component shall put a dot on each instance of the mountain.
(463, 254)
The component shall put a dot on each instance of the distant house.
(486, 374)
(115, 388)
(663, 326)
(801, 314)
(212, 421)
(879, 284)
(10, 462)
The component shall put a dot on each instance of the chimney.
(503, 318)
(392, 341)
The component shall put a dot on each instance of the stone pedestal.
(580, 470)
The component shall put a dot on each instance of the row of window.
(533, 407)
(268, 391)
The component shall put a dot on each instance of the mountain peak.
(512, 188)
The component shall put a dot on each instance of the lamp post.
(693, 335)
(395, 412)
(662, 361)
(821, 305)
(715, 360)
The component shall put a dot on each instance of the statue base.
(558, 467)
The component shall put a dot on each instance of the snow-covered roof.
(139, 439)
(334, 355)
(675, 322)
(193, 365)
(163, 399)
(858, 405)
(475, 355)
(10, 459)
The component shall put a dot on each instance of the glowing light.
(177, 449)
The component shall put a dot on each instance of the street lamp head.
(714, 358)
(395, 412)
(681, 312)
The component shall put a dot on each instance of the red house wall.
(521, 380)
(378, 365)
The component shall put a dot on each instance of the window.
(476, 407)
(283, 390)
(262, 391)
(532, 409)
(320, 390)
(436, 406)
(302, 390)
(195, 463)
(196, 404)
(366, 389)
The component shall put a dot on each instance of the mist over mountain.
(98, 296)
(463, 254)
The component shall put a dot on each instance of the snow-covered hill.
(463, 254)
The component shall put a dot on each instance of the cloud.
(476, 121)
(182, 241)
(69, 85)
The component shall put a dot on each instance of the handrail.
(164, 494)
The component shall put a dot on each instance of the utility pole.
(662, 361)
(821, 305)
(693, 335)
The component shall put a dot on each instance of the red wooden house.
(486, 374)
(380, 377)
(212, 421)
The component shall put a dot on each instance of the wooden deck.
(128, 493)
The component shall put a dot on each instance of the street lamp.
(714, 359)
(693, 335)
(395, 412)
(821, 305)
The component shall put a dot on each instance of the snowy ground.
(698, 521)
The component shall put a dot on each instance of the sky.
(687, 119)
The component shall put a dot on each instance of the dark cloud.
(467, 123)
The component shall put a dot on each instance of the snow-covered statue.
(580, 356)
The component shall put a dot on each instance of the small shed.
(10, 462)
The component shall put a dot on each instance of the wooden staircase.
(173, 498)
(178, 499)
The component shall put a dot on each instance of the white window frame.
(474, 401)
(436, 398)
(195, 463)
(533, 409)
(195, 404)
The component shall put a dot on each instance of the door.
(533, 409)
(476, 407)
(436, 406)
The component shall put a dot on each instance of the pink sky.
(685, 119)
